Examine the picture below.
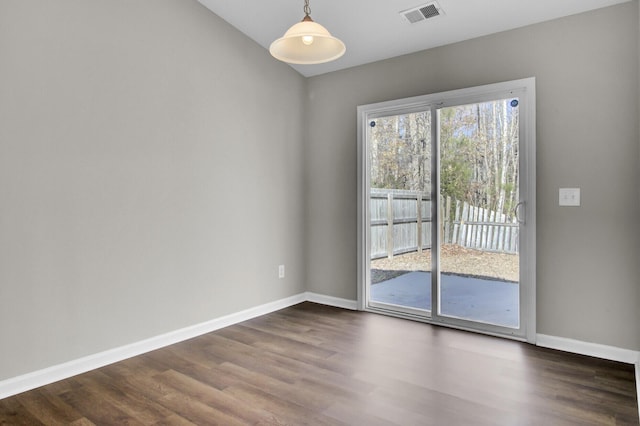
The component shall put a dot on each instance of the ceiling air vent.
(422, 13)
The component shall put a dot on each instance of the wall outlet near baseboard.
(281, 271)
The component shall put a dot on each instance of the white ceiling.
(374, 29)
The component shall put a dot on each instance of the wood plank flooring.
(316, 365)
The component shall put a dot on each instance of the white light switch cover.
(569, 196)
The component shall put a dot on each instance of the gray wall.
(586, 69)
(153, 172)
(150, 175)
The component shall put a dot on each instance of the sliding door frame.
(524, 89)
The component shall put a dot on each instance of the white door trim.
(527, 193)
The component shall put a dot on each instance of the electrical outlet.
(281, 271)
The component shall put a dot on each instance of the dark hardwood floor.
(317, 365)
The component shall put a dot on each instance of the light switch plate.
(569, 196)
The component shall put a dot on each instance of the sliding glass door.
(447, 208)
(478, 162)
(400, 175)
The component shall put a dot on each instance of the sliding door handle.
(516, 212)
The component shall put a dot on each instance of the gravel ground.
(454, 259)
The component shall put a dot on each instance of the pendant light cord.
(307, 9)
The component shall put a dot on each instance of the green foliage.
(455, 168)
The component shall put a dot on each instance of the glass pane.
(400, 205)
(479, 244)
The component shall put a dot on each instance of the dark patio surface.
(490, 301)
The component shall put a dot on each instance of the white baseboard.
(638, 385)
(52, 374)
(331, 301)
(591, 349)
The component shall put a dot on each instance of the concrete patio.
(484, 300)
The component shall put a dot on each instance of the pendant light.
(307, 42)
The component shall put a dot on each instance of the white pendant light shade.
(307, 42)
